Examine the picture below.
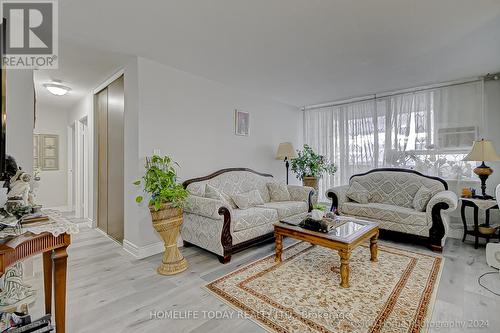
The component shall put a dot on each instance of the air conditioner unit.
(457, 138)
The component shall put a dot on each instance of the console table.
(477, 204)
(51, 239)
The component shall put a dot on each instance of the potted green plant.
(167, 198)
(310, 166)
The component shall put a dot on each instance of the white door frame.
(81, 168)
(70, 162)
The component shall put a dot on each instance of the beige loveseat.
(390, 201)
(219, 226)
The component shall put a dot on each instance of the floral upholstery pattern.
(247, 200)
(422, 198)
(394, 199)
(203, 232)
(214, 193)
(287, 208)
(203, 226)
(385, 212)
(234, 182)
(358, 193)
(396, 188)
(340, 192)
(278, 191)
(252, 217)
(447, 197)
(244, 235)
(299, 193)
(205, 206)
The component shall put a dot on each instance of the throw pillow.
(278, 191)
(422, 198)
(212, 192)
(358, 193)
(248, 199)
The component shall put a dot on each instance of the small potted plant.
(310, 166)
(167, 198)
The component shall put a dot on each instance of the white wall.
(20, 116)
(192, 119)
(52, 190)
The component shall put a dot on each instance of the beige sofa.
(391, 204)
(224, 229)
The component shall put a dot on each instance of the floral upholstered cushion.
(358, 193)
(396, 188)
(248, 199)
(287, 208)
(278, 192)
(422, 198)
(234, 182)
(253, 217)
(384, 212)
(213, 193)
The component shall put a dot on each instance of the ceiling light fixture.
(57, 88)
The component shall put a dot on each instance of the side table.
(477, 204)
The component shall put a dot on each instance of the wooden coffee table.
(343, 238)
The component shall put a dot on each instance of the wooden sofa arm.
(337, 195)
(445, 201)
(226, 238)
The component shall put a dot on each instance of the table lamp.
(482, 151)
(286, 152)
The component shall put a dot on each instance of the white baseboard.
(141, 252)
(89, 223)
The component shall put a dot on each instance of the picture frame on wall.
(46, 152)
(36, 151)
(241, 123)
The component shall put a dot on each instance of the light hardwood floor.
(109, 291)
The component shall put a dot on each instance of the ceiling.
(294, 51)
(80, 68)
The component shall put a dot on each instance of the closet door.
(115, 159)
(102, 139)
(110, 112)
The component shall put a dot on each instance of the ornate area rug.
(302, 294)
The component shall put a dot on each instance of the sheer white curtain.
(346, 136)
(429, 131)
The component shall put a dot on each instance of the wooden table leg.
(487, 222)
(279, 246)
(60, 265)
(47, 280)
(476, 227)
(344, 268)
(464, 220)
(374, 248)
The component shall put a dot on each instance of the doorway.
(71, 148)
(109, 112)
(82, 169)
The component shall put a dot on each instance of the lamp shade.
(482, 151)
(285, 150)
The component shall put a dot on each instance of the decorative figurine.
(20, 187)
(12, 287)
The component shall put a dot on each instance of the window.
(429, 131)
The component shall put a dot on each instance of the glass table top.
(347, 230)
